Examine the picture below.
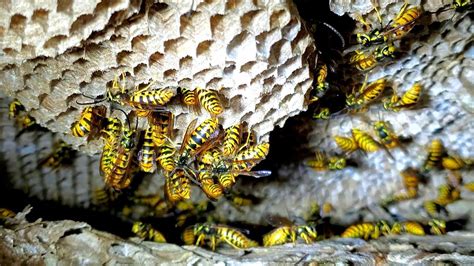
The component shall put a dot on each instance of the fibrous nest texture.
(254, 53)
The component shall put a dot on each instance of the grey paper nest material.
(76, 243)
(254, 53)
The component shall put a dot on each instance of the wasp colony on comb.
(264, 131)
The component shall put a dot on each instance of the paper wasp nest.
(254, 53)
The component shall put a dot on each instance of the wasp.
(104, 197)
(90, 122)
(221, 233)
(364, 62)
(437, 227)
(289, 232)
(117, 173)
(366, 94)
(321, 85)
(408, 227)
(280, 236)
(6, 213)
(212, 190)
(454, 162)
(404, 22)
(239, 200)
(210, 101)
(469, 186)
(322, 163)
(111, 132)
(147, 232)
(146, 154)
(61, 154)
(462, 5)
(384, 132)
(15, 108)
(232, 139)
(408, 100)
(140, 99)
(447, 194)
(364, 140)
(435, 153)
(188, 236)
(177, 186)
(347, 144)
(365, 230)
(158, 205)
(161, 127)
(434, 209)
(411, 179)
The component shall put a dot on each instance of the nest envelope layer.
(255, 54)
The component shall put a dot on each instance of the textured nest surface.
(254, 53)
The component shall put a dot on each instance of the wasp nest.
(254, 53)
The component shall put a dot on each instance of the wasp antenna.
(126, 117)
(339, 35)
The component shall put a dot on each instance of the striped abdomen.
(435, 152)
(405, 22)
(363, 230)
(119, 177)
(232, 140)
(200, 135)
(374, 90)
(147, 152)
(346, 144)
(234, 238)
(166, 158)
(248, 158)
(279, 236)
(364, 140)
(150, 98)
(210, 101)
(188, 96)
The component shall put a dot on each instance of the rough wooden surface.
(71, 242)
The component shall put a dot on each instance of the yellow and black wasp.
(361, 99)
(217, 233)
(239, 200)
(437, 227)
(118, 171)
(147, 232)
(383, 130)
(365, 141)
(411, 180)
(408, 100)
(15, 108)
(289, 232)
(90, 122)
(398, 28)
(162, 127)
(367, 230)
(346, 144)
(209, 100)
(146, 153)
(323, 163)
(6, 214)
(436, 152)
(364, 61)
(407, 227)
(62, 153)
(144, 99)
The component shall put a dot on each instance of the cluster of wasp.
(209, 156)
(329, 97)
